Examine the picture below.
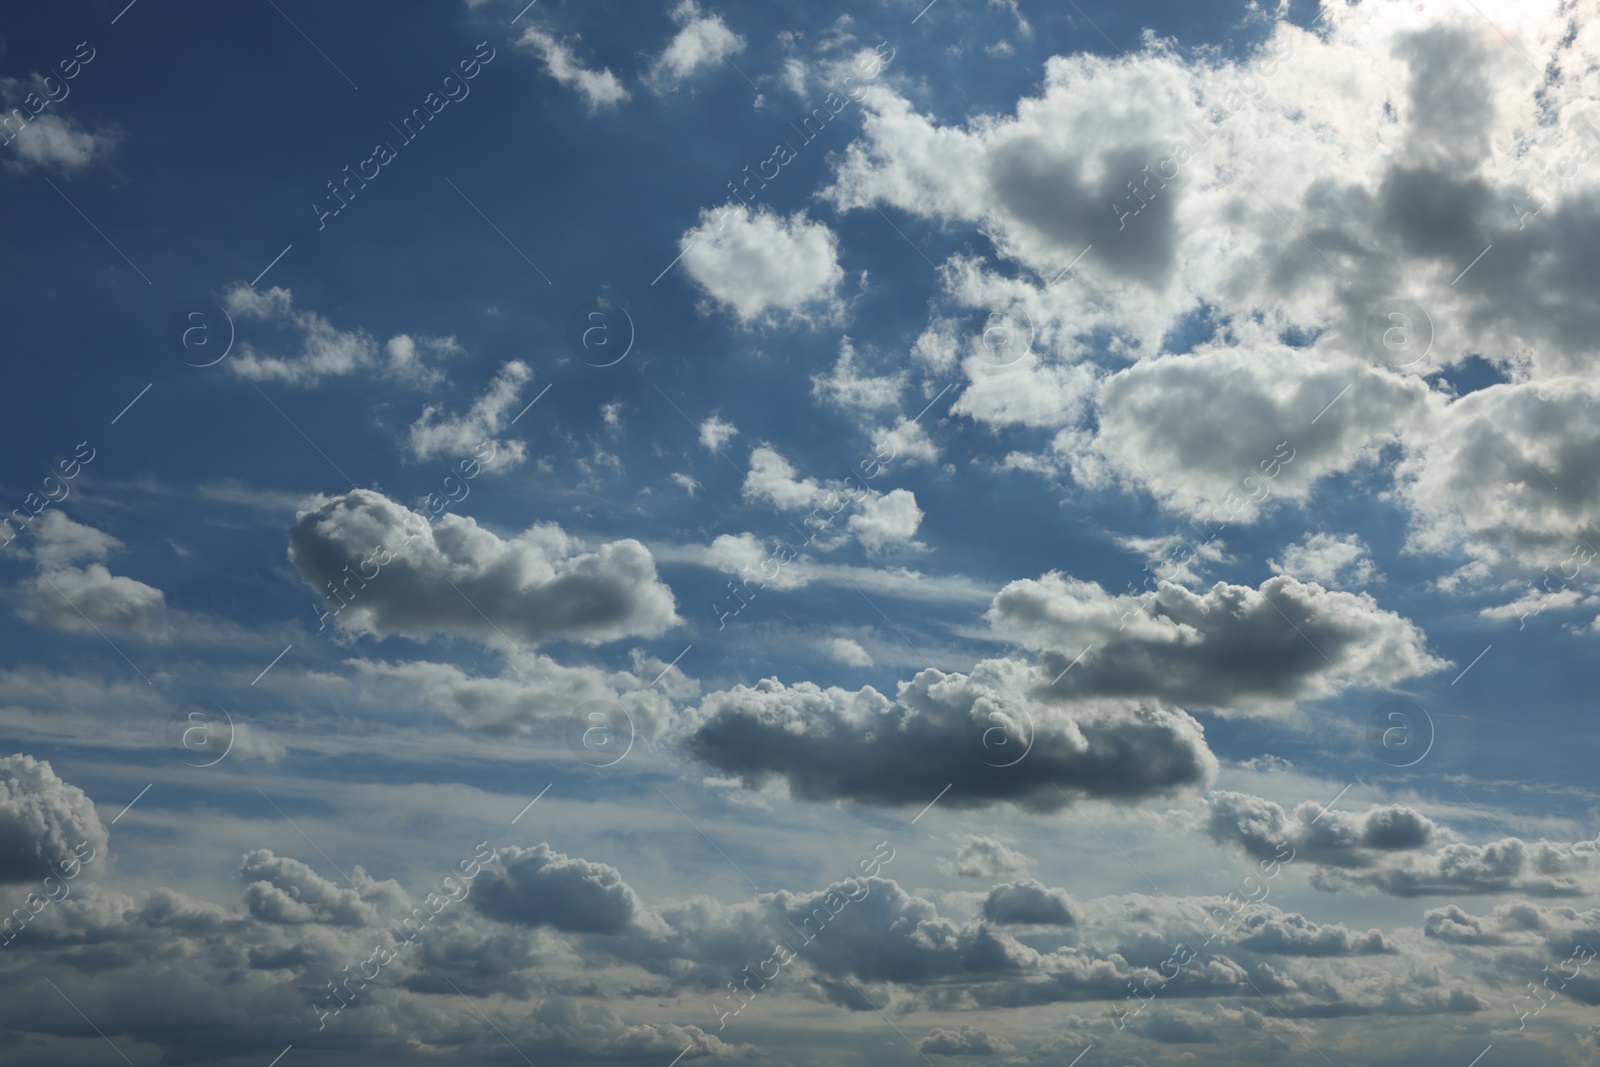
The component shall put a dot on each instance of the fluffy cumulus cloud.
(1028, 902)
(75, 591)
(1244, 226)
(1400, 852)
(1334, 560)
(758, 263)
(701, 41)
(998, 734)
(43, 821)
(541, 887)
(280, 889)
(985, 857)
(879, 519)
(1233, 649)
(600, 88)
(965, 1041)
(385, 570)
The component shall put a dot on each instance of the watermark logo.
(200, 333)
(600, 733)
(199, 735)
(1010, 739)
(1005, 336)
(1399, 733)
(600, 332)
(1399, 332)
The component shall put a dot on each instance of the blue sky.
(1086, 454)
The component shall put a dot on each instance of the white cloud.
(757, 263)
(714, 432)
(600, 88)
(847, 387)
(51, 142)
(458, 437)
(405, 357)
(880, 519)
(1333, 560)
(849, 652)
(702, 42)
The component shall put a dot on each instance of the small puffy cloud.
(1291, 934)
(43, 821)
(744, 555)
(830, 744)
(715, 432)
(985, 857)
(600, 88)
(1233, 649)
(85, 598)
(849, 652)
(967, 1041)
(403, 576)
(701, 42)
(459, 436)
(685, 482)
(541, 887)
(1028, 903)
(757, 262)
(51, 142)
(1510, 865)
(1332, 560)
(409, 358)
(906, 441)
(60, 542)
(880, 519)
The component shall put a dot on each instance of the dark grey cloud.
(1028, 902)
(1327, 837)
(1232, 648)
(830, 744)
(541, 887)
(383, 569)
(43, 821)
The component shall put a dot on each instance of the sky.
(871, 532)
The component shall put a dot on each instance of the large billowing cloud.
(43, 821)
(395, 573)
(1241, 229)
(1232, 648)
(972, 731)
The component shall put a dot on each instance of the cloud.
(1289, 934)
(279, 889)
(967, 1041)
(542, 887)
(59, 541)
(1326, 837)
(1510, 865)
(849, 652)
(881, 519)
(758, 263)
(51, 142)
(831, 744)
(324, 351)
(848, 388)
(43, 821)
(984, 857)
(396, 574)
(1028, 903)
(701, 43)
(1234, 649)
(80, 599)
(1331, 560)
(600, 88)
(714, 433)
(460, 436)
(405, 355)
